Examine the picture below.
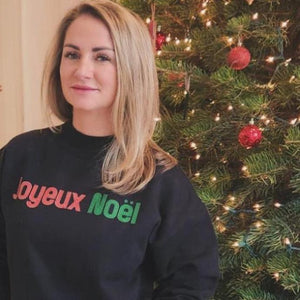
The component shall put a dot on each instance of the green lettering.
(108, 213)
(125, 213)
(135, 212)
(97, 204)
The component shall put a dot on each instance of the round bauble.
(238, 58)
(250, 136)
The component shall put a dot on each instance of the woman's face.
(88, 69)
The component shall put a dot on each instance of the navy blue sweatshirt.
(64, 237)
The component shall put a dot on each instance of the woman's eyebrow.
(94, 49)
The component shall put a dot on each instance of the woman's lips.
(83, 88)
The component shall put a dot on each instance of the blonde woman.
(94, 209)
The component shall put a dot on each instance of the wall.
(26, 30)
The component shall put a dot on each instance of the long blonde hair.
(133, 157)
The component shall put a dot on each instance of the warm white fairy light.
(230, 107)
(293, 121)
(208, 23)
(232, 198)
(213, 178)
(168, 38)
(203, 11)
(148, 20)
(193, 145)
(227, 2)
(250, 1)
(292, 78)
(244, 168)
(188, 48)
(197, 156)
(158, 52)
(157, 119)
(287, 241)
(217, 118)
(276, 276)
(177, 41)
(204, 4)
(270, 59)
(192, 111)
(277, 204)
(236, 244)
(227, 208)
(217, 218)
(284, 24)
(197, 174)
(287, 61)
(257, 207)
(255, 16)
(258, 224)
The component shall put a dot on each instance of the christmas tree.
(230, 89)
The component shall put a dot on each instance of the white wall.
(26, 30)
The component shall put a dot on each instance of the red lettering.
(49, 196)
(66, 200)
(34, 200)
(77, 199)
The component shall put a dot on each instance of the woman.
(95, 209)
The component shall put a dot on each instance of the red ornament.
(160, 39)
(250, 136)
(238, 58)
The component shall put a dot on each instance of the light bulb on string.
(284, 24)
(292, 78)
(277, 204)
(193, 145)
(276, 276)
(208, 23)
(270, 59)
(287, 61)
(230, 107)
(217, 118)
(255, 16)
(168, 38)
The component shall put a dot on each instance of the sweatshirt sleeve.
(184, 251)
(4, 278)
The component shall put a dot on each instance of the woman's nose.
(84, 68)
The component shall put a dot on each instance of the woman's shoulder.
(30, 137)
(28, 141)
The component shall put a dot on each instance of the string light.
(217, 118)
(157, 119)
(258, 224)
(213, 178)
(197, 174)
(270, 59)
(158, 52)
(292, 78)
(230, 107)
(293, 121)
(284, 24)
(193, 145)
(203, 12)
(257, 207)
(276, 276)
(227, 2)
(255, 16)
(168, 38)
(244, 168)
(286, 63)
(198, 156)
(208, 23)
(277, 204)
(148, 20)
(177, 41)
(204, 4)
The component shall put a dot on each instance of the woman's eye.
(102, 57)
(71, 55)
